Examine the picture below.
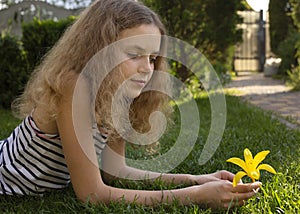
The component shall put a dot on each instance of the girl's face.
(140, 53)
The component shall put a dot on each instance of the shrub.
(18, 58)
(13, 69)
(296, 17)
(280, 23)
(287, 51)
(40, 36)
(207, 25)
(295, 12)
(294, 78)
(284, 32)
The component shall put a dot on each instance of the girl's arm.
(114, 165)
(87, 182)
(82, 163)
(89, 186)
(80, 156)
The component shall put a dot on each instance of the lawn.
(246, 127)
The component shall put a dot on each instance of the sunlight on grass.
(232, 91)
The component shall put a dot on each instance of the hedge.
(285, 32)
(13, 69)
(18, 58)
(40, 36)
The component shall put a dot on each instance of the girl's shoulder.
(47, 122)
(43, 121)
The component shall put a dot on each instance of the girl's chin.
(133, 94)
(133, 91)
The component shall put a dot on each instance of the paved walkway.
(269, 94)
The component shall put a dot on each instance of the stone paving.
(269, 94)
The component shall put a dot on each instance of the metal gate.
(250, 54)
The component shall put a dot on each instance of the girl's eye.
(152, 59)
(133, 55)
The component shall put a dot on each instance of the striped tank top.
(32, 162)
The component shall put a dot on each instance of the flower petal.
(254, 175)
(259, 157)
(248, 156)
(266, 167)
(238, 177)
(238, 162)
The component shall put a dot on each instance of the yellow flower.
(251, 166)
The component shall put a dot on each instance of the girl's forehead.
(145, 38)
(143, 29)
(142, 48)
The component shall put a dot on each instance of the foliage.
(208, 25)
(295, 13)
(18, 58)
(287, 51)
(244, 6)
(279, 23)
(296, 18)
(285, 35)
(279, 193)
(297, 46)
(13, 69)
(294, 78)
(39, 37)
(221, 22)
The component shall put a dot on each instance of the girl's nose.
(146, 65)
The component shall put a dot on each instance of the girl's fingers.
(235, 203)
(241, 193)
(225, 175)
(241, 197)
(244, 188)
(237, 199)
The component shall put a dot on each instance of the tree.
(279, 22)
(208, 25)
(295, 12)
(284, 33)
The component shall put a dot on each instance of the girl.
(45, 151)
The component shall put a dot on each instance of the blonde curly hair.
(97, 27)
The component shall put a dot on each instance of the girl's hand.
(216, 176)
(221, 194)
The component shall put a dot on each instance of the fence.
(251, 53)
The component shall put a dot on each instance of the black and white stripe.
(32, 162)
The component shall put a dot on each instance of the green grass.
(7, 123)
(246, 126)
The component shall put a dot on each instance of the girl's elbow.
(94, 196)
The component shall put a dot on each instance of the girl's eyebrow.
(142, 50)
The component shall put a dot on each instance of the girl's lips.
(140, 82)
